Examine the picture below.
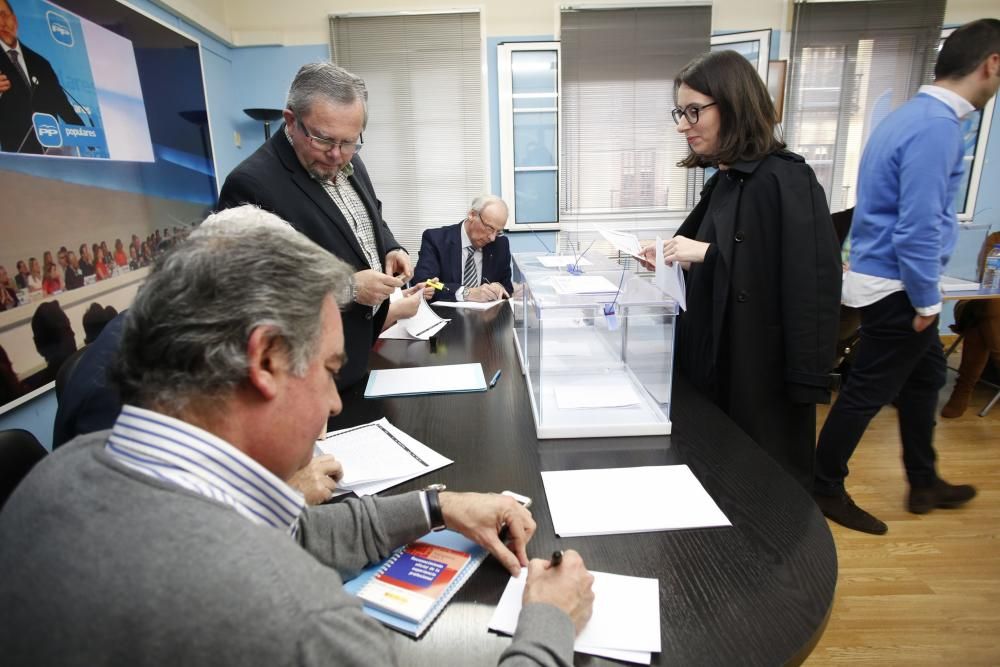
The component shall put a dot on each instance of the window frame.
(505, 97)
(978, 155)
(761, 36)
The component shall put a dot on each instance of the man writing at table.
(172, 540)
(471, 258)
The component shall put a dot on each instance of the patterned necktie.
(12, 54)
(469, 277)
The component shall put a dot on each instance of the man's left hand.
(318, 480)
(481, 517)
(397, 263)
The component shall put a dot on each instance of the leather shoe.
(842, 510)
(940, 494)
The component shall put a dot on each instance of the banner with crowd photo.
(105, 161)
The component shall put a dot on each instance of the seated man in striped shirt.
(172, 539)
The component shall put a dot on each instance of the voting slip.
(411, 588)
(623, 242)
(670, 279)
(377, 456)
(624, 625)
(562, 261)
(446, 379)
(647, 499)
(582, 285)
(422, 326)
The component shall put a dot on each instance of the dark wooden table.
(757, 593)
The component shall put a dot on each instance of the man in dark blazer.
(309, 174)
(471, 258)
(28, 84)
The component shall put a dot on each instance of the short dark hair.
(967, 47)
(748, 121)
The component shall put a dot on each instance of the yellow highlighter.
(435, 283)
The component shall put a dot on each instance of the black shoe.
(940, 494)
(842, 510)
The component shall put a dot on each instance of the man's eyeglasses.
(493, 230)
(691, 112)
(326, 145)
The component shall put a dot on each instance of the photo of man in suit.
(28, 85)
(471, 258)
(310, 174)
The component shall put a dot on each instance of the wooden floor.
(927, 592)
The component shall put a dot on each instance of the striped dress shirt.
(179, 453)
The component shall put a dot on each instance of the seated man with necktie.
(471, 258)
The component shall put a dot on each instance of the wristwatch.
(434, 505)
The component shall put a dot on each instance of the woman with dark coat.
(763, 265)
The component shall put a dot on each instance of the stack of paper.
(647, 499)
(625, 624)
(426, 380)
(377, 456)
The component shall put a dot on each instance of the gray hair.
(483, 201)
(185, 335)
(329, 81)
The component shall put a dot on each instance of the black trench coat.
(760, 332)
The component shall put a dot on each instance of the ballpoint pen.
(493, 382)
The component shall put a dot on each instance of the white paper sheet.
(561, 261)
(670, 279)
(622, 241)
(625, 623)
(469, 305)
(596, 396)
(647, 499)
(422, 326)
(582, 285)
(426, 380)
(378, 455)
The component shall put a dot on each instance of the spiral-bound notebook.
(408, 590)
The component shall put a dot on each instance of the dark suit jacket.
(90, 401)
(274, 179)
(441, 256)
(18, 103)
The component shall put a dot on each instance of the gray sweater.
(102, 565)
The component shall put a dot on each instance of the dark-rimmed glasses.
(691, 112)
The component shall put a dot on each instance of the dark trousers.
(894, 364)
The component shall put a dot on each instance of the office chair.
(19, 452)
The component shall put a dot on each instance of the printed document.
(378, 455)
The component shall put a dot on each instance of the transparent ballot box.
(596, 346)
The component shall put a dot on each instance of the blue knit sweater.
(904, 224)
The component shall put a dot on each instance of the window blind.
(424, 141)
(851, 64)
(619, 146)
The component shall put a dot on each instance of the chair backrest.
(19, 452)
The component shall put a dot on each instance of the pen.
(493, 382)
(556, 558)
(421, 333)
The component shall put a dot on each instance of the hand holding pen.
(563, 582)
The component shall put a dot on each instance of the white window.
(852, 63)
(755, 46)
(528, 81)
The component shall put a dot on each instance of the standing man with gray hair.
(310, 174)
(471, 258)
(171, 539)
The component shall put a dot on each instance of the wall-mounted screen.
(105, 159)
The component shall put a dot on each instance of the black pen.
(556, 558)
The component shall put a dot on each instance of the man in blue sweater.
(903, 233)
